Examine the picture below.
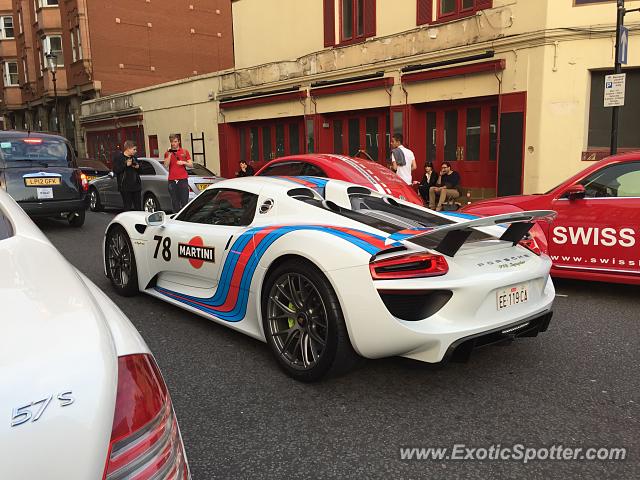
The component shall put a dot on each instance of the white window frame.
(45, 3)
(3, 27)
(7, 73)
(25, 70)
(74, 53)
(46, 48)
(79, 43)
(20, 21)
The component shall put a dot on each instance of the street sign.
(614, 90)
(624, 45)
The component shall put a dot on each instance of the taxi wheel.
(121, 262)
(76, 219)
(150, 203)
(303, 323)
(94, 200)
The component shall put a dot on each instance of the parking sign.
(614, 86)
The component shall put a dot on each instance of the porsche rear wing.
(456, 234)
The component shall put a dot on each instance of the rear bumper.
(460, 350)
(54, 207)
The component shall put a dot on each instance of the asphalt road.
(576, 385)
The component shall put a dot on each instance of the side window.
(221, 207)
(313, 171)
(146, 168)
(621, 180)
(6, 230)
(285, 169)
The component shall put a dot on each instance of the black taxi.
(40, 172)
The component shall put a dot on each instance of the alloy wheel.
(119, 259)
(150, 205)
(93, 199)
(297, 321)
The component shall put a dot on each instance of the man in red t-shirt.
(176, 160)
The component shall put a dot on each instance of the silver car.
(103, 191)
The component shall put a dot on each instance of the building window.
(600, 116)
(11, 74)
(46, 3)
(6, 24)
(74, 54)
(453, 9)
(357, 20)
(25, 72)
(79, 43)
(52, 44)
(76, 46)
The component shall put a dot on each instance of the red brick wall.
(129, 54)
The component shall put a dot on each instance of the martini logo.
(196, 252)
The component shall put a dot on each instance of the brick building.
(102, 48)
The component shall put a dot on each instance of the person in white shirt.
(403, 161)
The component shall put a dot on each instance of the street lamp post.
(52, 63)
(621, 12)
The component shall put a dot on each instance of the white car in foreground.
(324, 271)
(81, 394)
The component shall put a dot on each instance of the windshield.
(199, 171)
(18, 152)
(91, 163)
(378, 212)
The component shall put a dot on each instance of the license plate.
(45, 193)
(91, 177)
(510, 296)
(202, 186)
(41, 181)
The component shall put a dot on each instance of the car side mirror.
(156, 219)
(111, 174)
(575, 192)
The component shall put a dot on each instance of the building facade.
(103, 48)
(510, 92)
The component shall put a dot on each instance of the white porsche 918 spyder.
(326, 271)
(81, 396)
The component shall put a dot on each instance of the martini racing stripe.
(316, 183)
(410, 232)
(229, 302)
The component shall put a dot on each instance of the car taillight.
(145, 439)
(414, 265)
(82, 180)
(531, 244)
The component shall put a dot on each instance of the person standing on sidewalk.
(125, 166)
(176, 160)
(403, 161)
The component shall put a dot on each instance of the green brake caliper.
(292, 321)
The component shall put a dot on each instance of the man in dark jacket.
(446, 187)
(246, 170)
(125, 166)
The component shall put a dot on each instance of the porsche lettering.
(192, 252)
(606, 237)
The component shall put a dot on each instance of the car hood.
(517, 200)
(56, 346)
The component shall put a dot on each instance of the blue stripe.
(466, 216)
(231, 263)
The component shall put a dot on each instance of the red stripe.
(301, 182)
(367, 237)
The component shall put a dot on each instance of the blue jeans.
(179, 192)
